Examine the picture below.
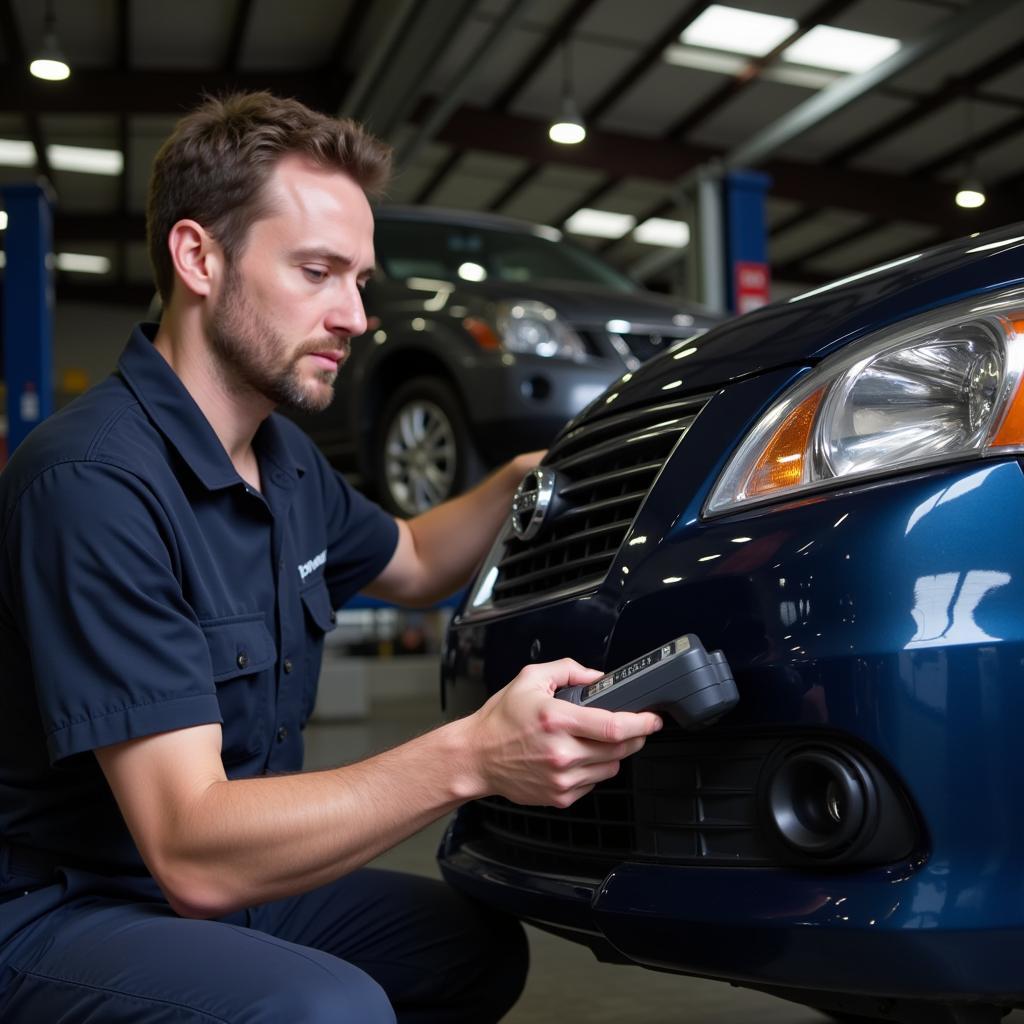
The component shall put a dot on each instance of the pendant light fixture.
(568, 128)
(49, 63)
(971, 193)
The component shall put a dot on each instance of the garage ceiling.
(465, 89)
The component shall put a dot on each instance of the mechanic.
(170, 555)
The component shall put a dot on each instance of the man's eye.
(315, 274)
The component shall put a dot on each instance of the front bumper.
(849, 933)
(889, 613)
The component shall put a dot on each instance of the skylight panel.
(738, 31)
(840, 49)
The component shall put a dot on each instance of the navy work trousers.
(371, 948)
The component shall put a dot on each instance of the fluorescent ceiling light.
(17, 153)
(738, 31)
(82, 263)
(3, 220)
(599, 223)
(662, 231)
(840, 49)
(85, 159)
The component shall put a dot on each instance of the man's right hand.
(533, 749)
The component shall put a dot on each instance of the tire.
(423, 452)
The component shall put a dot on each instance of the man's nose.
(348, 316)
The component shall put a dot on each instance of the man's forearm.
(453, 538)
(227, 844)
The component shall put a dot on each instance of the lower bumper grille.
(682, 801)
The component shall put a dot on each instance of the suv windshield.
(452, 252)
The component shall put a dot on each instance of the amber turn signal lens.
(782, 462)
(481, 332)
(1011, 430)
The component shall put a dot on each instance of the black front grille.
(604, 468)
(641, 345)
(645, 346)
(681, 800)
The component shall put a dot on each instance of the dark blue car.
(830, 490)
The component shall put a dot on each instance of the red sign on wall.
(752, 282)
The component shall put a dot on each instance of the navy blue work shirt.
(145, 587)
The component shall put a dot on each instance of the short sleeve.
(116, 652)
(361, 538)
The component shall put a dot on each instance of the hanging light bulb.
(568, 128)
(49, 63)
(971, 194)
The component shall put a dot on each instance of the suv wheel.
(424, 452)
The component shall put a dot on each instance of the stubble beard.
(251, 355)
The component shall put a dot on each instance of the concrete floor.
(566, 983)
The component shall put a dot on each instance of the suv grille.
(636, 347)
(605, 468)
(678, 801)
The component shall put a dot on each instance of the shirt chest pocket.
(320, 620)
(242, 656)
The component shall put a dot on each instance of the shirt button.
(243, 659)
(288, 666)
(282, 734)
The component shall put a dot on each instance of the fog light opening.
(819, 802)
(537, 388)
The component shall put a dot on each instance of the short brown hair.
(216, 162)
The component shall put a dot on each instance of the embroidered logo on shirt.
(314, 563)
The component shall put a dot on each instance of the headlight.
(945, 387)
(534, 327)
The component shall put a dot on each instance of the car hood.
(591, 306)
(806, 328)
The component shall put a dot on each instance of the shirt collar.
(173, 410)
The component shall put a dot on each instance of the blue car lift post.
(27, 310)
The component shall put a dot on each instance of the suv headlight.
(944, 387)
(530, 326)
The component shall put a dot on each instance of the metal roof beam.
(444, 107)
(144, 92)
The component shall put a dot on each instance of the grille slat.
(605, 468)
(632, 499)
(617, 445)
(542, 574)
(613, 477)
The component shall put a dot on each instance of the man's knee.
(336, 994)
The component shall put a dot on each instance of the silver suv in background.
(487, 335)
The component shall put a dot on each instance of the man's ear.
(198, 259)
